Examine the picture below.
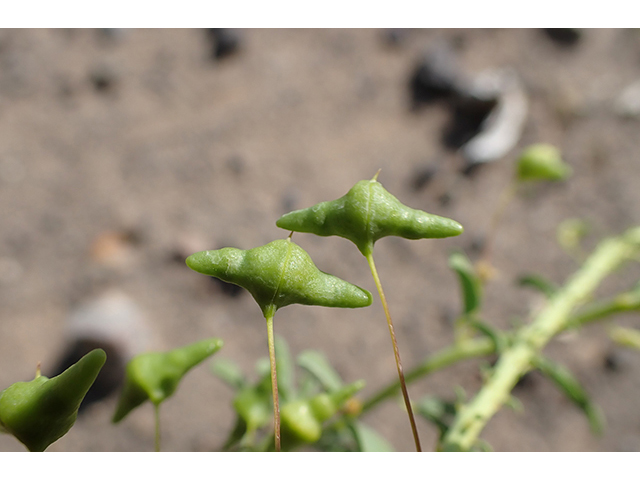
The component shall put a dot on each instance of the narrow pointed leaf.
(229, 372)
(565, 380)
(155, 376)
(41, 411)
(368, 439)
(470, 283)
(366, 214)
(539, 283)
(318, 365)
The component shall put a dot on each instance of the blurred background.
(122, 151)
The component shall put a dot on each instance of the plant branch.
(396, 352)
(463, 350)
(274, 380)
(516, 360)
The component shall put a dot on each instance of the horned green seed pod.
(155, 376)
(542, 162)
(365, 214)
(302, 419)
(278, 274)
(43, 410)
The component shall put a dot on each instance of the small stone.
(627, 104)
(566, 37)
(436, 76)
(224, 42)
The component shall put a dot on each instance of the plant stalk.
(463, 350)
(396, 352)
(531, 339)
(156, 410)
(274, 381)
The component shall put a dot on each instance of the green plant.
(278, 274)
(154, 376)
(43, 410)
(311, 406)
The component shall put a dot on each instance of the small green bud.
(43, 410)
(365, 214)
(155, 376)
(302, 419)
(542, 162)
(278, 274)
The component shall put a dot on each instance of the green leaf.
(565, 380)
(43, 410)
(628, 337)
(368, 439)
(279, 274)
(539, 283)
(542, 162)
(438, 412)
(285, 368)
(229, 372)
(366, 214)
(318, 366)
(470, 283)
(155, 376)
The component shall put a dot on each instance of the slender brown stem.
(274, 380)
(396, 352)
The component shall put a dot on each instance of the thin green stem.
(156, 411)
(403, 384)
(274, 380)
(463, 350)
(517, 359)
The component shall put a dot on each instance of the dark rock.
(110, 377)
(422, 176)
(565, 37)
(224, 42)
(436, 77)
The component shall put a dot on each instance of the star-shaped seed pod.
(278, 274)
(365, 214)
(43, 410)
(154, 376)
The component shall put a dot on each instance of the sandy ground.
(121, 151)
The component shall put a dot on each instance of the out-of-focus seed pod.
(43, 410)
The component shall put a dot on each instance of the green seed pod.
(43, 410)
(542, 162)
(155, 376)
(302, 419)
(278, 274)
(365, 214)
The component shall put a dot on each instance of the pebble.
(437, 76)
(111, 321)
(224, 42)
(501, 130)
(627, 104)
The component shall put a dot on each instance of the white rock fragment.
(501, 130)
(627, 104)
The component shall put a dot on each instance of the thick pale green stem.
(156, 411)
(274, 380)
(530, 340)
(403, 384)
(464, 350)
